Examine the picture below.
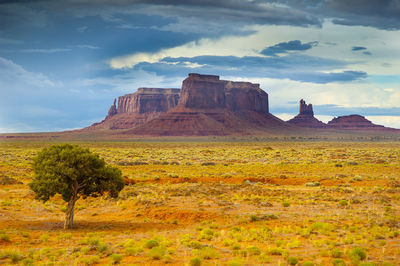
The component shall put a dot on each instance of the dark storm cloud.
(295, 67)
(383, 14)
(12, 16)
(284, 47)
(211, 17)
(358, 48)
(361, 48)
(232, 11)
(283, 62)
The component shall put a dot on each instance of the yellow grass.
(223, 203)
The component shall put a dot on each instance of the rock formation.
(306, 118)
(210, 106)
(148, 100)
(208, 91)
(138, 108)
(112, 111)
(206, 106)
(353, 122)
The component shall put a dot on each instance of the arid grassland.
(233, 203)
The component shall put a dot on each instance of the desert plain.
(212, 203)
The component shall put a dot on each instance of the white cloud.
(10, 41)
(14, 77)
(388, 121)
(226, 46)
(87, 46)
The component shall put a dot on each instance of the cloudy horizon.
(62, 63)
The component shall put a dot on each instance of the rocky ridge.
(206, 105)
(306, 118)
(210, 106)
(137, 108)
(353, 122)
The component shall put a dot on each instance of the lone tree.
(73, 172)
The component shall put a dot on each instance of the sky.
(62, 63)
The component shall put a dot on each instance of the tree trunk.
(69, 215)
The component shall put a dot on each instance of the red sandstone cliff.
(210, 106)
(138, 108)
(306, 118)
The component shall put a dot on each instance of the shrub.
(152, 243)
(313, 184)
(275, 251)
(4, 237)
(209, 164)
(207, 253)
(90, 260)
(235, 246)
(116, 258)
(14, 255)
(132, 251)
(102, 247)
(235, 262)
(173, 175)
(253, 251)
(93, 242)
(308, 263)
(167, 259)
(156, 253)
(338, 262)
(285, 204)
(207, 234)
(336, 253)
(28, 262)
(359, 253)
(253, 218)
(264, 217)
(195, 244)
(195, 261)
(292, 261)
(368, 264)
(343, 203)
(44, 237)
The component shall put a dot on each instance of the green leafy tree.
(73, 172)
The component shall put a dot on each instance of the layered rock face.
(138, 108)
(148, 100)
(202, 92)
(306, 118)
(353, 122)
(210, 106)
(208, 91)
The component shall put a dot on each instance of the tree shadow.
(86, 225)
